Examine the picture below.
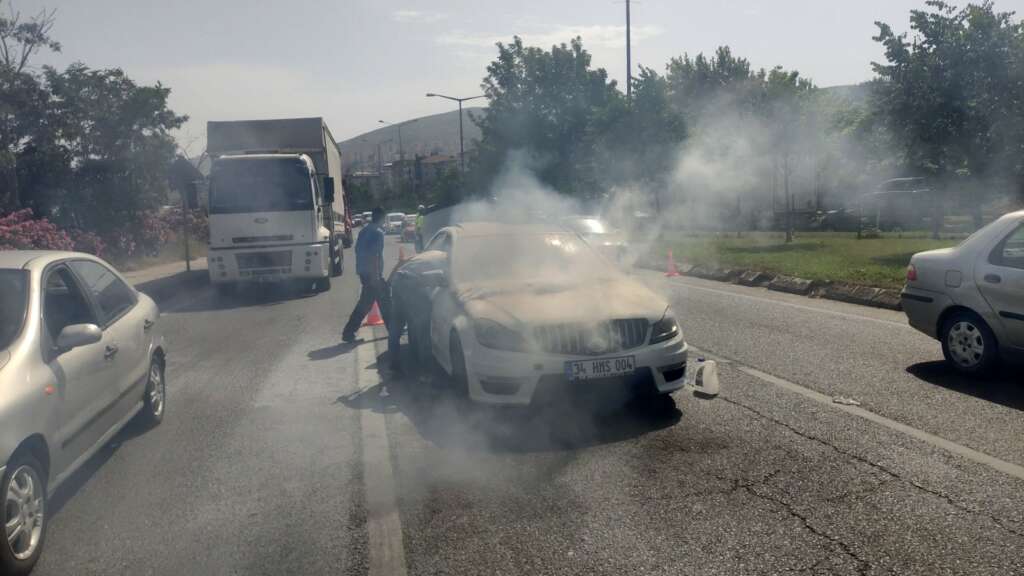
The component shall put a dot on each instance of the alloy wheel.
(23, 512)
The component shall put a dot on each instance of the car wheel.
(322, 285)
(968, 343)
(154, 401)
(459, 375)
(24, 515)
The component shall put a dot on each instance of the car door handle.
(111, 351)
(147, 324)
(993, 278)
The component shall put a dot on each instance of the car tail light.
(911, 273)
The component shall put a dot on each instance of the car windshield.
(260, 185)
(527, 258)
(13, 303)
(589, 226)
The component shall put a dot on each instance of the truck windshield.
(13, 301)
(260, 185)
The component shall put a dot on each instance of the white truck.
(277, 205)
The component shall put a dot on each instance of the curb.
(162, 289)
(849, 293)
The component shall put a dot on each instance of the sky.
(355, 62)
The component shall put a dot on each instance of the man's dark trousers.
(373, 290)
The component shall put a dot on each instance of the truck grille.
(592, 339)
(258, 239)
(250, 260)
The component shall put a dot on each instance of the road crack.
(1000, 523)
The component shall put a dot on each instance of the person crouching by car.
(370, 268)
(411, 296)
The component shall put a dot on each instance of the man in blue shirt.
(370, 268)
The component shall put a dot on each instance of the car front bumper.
(520, 378)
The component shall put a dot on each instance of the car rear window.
(13, 305)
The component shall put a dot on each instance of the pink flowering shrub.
(146, 236)
(19, 231)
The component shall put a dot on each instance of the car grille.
(257, 239)
(592, 339)
(251, 260)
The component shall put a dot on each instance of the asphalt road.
(283, 452)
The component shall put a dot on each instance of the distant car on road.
(599, 234)
(971, 297)
(393, 223)
(81, 354)
(357, 220)
(522, 313)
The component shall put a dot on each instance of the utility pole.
(462, 145)
(629, 59)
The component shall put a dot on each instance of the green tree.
(551, 104)
(952, 96)
(116, 135)
(23, 101)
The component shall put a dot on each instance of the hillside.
(436, 134)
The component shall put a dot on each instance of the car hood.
(536, 304)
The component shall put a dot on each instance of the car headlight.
(665, 329)
(493, 335)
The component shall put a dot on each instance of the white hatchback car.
(522, 312)
(971, 297)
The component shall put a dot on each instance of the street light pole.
(462, 145)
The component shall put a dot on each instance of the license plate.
(600, 368)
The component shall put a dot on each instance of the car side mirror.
(76, 335)
(435, 279)
(328, 190)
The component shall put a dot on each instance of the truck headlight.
(493, 335)
(665, 329)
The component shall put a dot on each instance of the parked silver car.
(971, 297)
(81, 354)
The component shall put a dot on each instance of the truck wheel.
(337, 259)
(968, 343)
(224, 290)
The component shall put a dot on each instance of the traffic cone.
(374, 318)
(671, 269)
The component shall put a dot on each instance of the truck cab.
(271, 219)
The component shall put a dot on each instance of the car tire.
(322, 285)
(460, 378)
(968, 344)
(154, 398)
(20, 558)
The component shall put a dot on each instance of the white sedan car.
(524, 313)
(971, 297)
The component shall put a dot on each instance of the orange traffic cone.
(374, 318)
(401, 254)
(671, 269)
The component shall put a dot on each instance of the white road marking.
(683, 283)
(937, 441)
(383, 525)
